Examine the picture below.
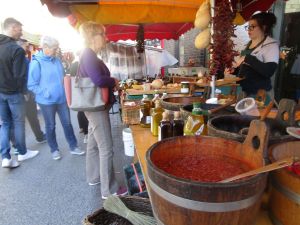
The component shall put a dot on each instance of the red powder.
(203, 168)
(295, 168)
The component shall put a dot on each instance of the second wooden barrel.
(232, 126)
(285, 191)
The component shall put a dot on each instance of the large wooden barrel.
(285, 192)
(179, 201)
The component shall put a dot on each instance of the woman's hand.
(116, 87)
(238, 62)
(228, 71)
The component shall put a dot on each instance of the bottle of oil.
(145, 117)
(165, 127)
(178, 125)
(156, 118)
(195, 124)
(156, 98)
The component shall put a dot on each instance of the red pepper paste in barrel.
(203, 168)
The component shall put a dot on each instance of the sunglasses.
(250, 27)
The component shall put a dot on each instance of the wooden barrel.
(186, 110)
(175, 102)
(179, 201)
(285, 192)
(235, 127)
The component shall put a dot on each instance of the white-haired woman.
(45, 80)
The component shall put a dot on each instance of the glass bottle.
(145, 117)
(195, 124)
(156, 118)
(164, 95)
(165, 127)
(156, 97)
(178, 125)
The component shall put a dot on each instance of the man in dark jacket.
(13, 82)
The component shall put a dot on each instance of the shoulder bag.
(83, 95)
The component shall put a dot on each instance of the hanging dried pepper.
(221, 50)
(140, 45)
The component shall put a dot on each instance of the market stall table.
(143, 139)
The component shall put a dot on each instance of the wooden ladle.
(263, 116)
(274, 166)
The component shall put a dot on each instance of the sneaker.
(77, 151)
(28, 155)
(85, 139)
(121, 192)
(42, 140)
(56, 155)
(105, 197)
(94, 183)
(10, 163)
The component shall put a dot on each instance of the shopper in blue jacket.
(45, 80)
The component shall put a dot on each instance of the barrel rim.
(242, 136)
(272, 159)
(245, 181)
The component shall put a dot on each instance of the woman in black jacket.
(259, 60)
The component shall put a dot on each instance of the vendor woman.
(258, 61)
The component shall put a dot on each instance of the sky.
(36, 19)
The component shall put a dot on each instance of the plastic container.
(212, 101)
(128, 142)
(247, 106)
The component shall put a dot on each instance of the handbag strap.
(137, 177)
(77, 76)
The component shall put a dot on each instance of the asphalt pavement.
(43, 191)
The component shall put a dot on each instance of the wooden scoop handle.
(274, 166)
(266, 111)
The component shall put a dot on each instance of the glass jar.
(185, 87)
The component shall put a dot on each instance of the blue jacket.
(45, 79)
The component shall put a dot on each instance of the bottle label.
(151, 127)
(200, 130)
(184, 90)
(159, 133)
(141, 115)
(148, 119)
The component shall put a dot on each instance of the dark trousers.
(83, 122)
(32, 117)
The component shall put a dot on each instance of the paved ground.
(47, 192)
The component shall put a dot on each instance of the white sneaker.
(10, 163)
(95, 183)
(77, 151)
(28, 155)
(85, 139)
(56, 155)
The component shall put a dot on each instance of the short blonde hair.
(89, 29)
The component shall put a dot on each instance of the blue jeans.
(49, 112)
(12, 113)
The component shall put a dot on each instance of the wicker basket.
(131, 114)
(102, 217)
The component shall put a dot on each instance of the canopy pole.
(213, 77)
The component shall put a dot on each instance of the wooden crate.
(130, 113)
